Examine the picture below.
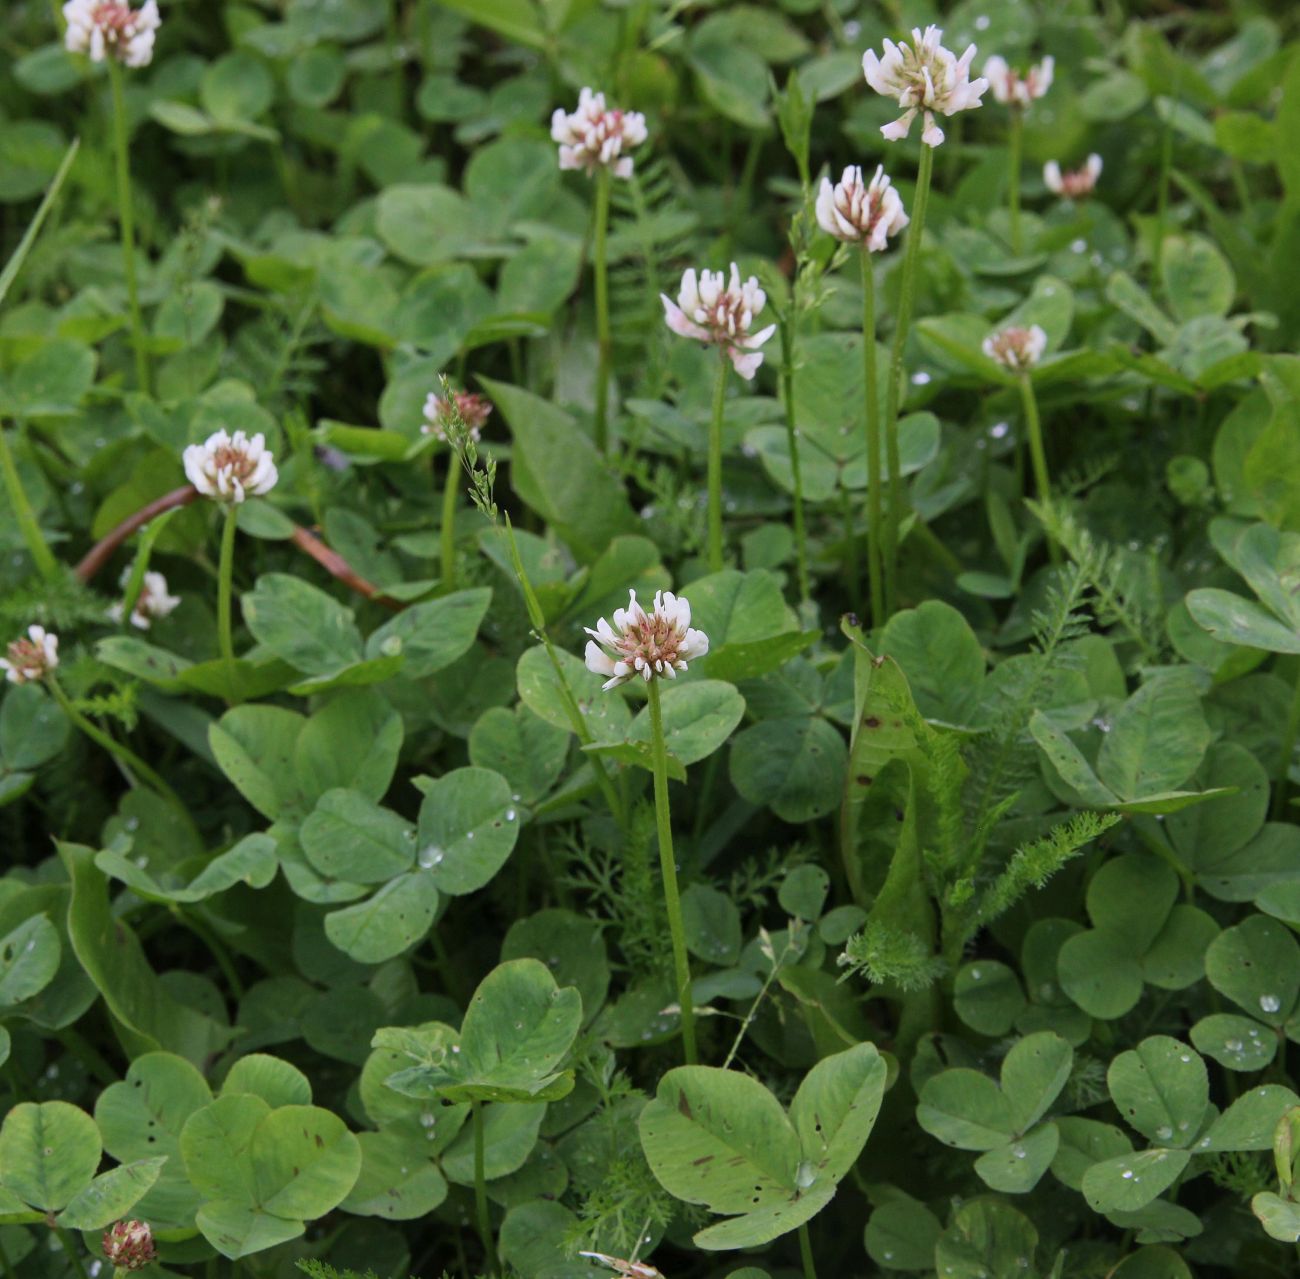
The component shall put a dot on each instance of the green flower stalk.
(444, 416)
(866, 214)
(651, 647)
(481, 1212)
(928, 80)
(720, 311)
(229, 469)
(594, 138)
(37, 547)
(1018, 350)
(1017, 92)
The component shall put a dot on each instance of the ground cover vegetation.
(649, 638)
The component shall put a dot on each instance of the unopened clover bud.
(129, 1245)
(1016, 348)
(1072, 184)
(923, 77)
(231, 468)
(860, 212)
(29, 659)
(112, 29)
(1009, 86)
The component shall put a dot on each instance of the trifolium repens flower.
(1072, 184)
(924, 77)
(154, 601)
(111, 28)
(858, 212)
(129, 1245)
(655, 644)
(628, 1269)
(595, 136)
(1016, 348)
(474, 410)
(1013, 89)
(712, 309)
(29, 660)
(231, 468)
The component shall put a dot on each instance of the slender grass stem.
(448, 528)
(668, 865)
(893, 398)
(1289, 735)
(1015, 147)
(480, 1191)
(28, 524)
(600, 267)
(715, 467)
(788, 337)
(134, 765)
(126, 220)
(1042, 482)
(806, 1253)
(225, 580)
(871, 426)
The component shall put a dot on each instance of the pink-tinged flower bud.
(714, 310)
(654, 645)
(231, 468)
(30, 660)
(129, 1245)
(111, 28)
(595, 137)
(628, 1269)
(1076, 184)
(858, 212)
(1016, 348)
(474, 410)
(924, 77)
(1016, 90)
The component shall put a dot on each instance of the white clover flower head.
(231, 468)
(652, 645)
(153, 603)
(111, 28)
(924, 77)
(1012, 88)
(861, 213)
(595, 136)
(1016, 348)
(1076, 184)
(474, 410)
(719, 311)
(29, 659)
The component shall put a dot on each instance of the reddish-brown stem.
(99, 554)
(304, 539)
(334, 563)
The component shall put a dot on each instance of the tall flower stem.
(1015, 141)
(225, 579)
(893, 397)
(126, 220)
(788, 335)
(668, 865)
(601, 269)
(715, 467)
(1289, 735)
(1037, 455)
(480, 1191)
(871, 423)
(448, 528)
(134, 765)
(806, 1253)
(28, 524)
(70, 1247)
